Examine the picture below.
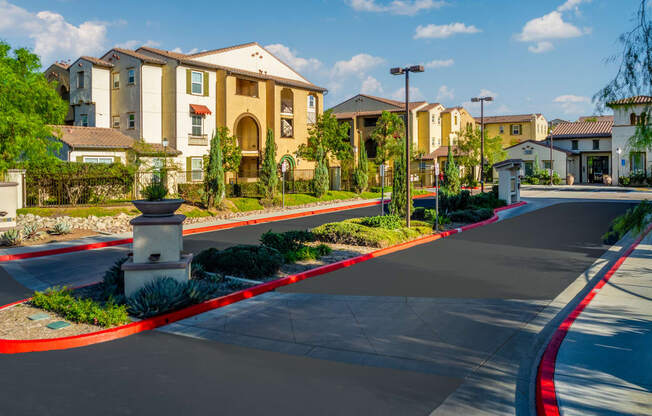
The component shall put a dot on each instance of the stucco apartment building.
(514, 129)
(151, 94)
(628, 114)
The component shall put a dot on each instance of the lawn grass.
(245, 204)
(79, 211)
(301, 199)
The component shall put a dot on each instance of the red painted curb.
(546, 396)
(94, 246)
(21, 346)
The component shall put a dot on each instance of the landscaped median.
(222, 277)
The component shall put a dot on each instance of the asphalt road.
(532, 256)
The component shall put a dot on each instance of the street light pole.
(406, 71)
(481, 100)
(551, 158)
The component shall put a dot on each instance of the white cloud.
(190, 52)
(291, 58)
(401, 7)
(550, 26)
(439, 63)
(415, 94)
(135, 44)
(571, 5)
(573, 104)
(541, 47)
(357, 65)
(371, 86)
(475, 107)
(53, 37)
(432, 31)
(445, 93)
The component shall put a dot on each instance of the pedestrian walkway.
(604, 365)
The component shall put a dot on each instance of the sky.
(532, 56)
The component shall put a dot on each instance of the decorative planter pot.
(570, 179)
(606, 179)
(162, 208)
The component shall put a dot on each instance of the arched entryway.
(248, 133)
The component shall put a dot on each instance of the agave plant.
(159, 296)
(201, 290)
(30, 231)
(61, 228)
(11, 237)
(114, 279)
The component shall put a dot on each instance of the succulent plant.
(11, 237)
(30, 231)
(201, 290)
(159, 296)
(61, 228)
(155, 191)
(114, 279)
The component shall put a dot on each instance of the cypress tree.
(397, 205)
(321, 179)
(361, 173)
(214, 181)
(452, 182)
(268, 181)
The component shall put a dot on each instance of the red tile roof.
(96, 137)
(442, 151)
(429, 107)
(582, 129)
(517, 118)
(639, 99)
(596, 118)
(134, 54)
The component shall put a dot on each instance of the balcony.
(198, 140)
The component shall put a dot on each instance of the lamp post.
(550, 158)
(619, 151)
(481, 100)
(406, 71)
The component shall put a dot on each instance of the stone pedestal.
(8, 204)
(509, 187)
(157, 252)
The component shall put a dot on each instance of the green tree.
(634, 75)
(28, 106)
(321, 180)
(268, 180)
(387, 135)
(468, 150)
(397, 205)
(452, 185)
(214, 181)
(328, 139)
(361, 173)
(231, 152)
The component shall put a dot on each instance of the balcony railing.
(198, 140)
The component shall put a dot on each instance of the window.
(312, 109)
(116, 80)
(432, 119)
(516, 129)
(287, 129)
(83, 120)
(132, 121)
(98, 159)
(197, 125)
(80, 79)
(197, 81)
(439, 120)
(637, 162)
(546, 164)
(197, 168)
(116, 122)
(529, 168)
(456, 120)
(370, 122)
(131, 76)
(575, 145)
(596, 144)
(633, 120)
(246, 87)
(501, 129)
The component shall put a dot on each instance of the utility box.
(8, 204)
(509, 186)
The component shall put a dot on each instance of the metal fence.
(52, 191)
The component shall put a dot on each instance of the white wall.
(584, 145)
(100, 152)
(184, 124)
(261, 60)
(152, 103)
(543, 153)
(100, 95)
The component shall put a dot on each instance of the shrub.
(242, 260)
(307, 253)
(388, 222)
(62, 302)
(471, 215)
(191, 192)
(155, 191)
(214, 180)
(635, 219)
(487, 200)
(354, 233)
(398, 203)
(158, 296)
(624, 180)
(113, 281)
(268, 180)
(361, 173)
(11, 237)
(61, 228)
(287, 241)
(320, 182)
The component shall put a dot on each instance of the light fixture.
(165, 142)
(396, 71)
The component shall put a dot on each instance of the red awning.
(200, 109)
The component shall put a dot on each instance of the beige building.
(151, 94)
(514, 129)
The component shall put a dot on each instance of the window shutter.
(205, 84)
(188, 81)
(188, 169)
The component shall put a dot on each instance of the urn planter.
(570, 179)
(162, 208)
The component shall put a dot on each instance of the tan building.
(152, 94)
(455, 121)
(514, 129)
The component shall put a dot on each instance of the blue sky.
(532, 55)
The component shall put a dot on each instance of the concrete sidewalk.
(604, 365)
